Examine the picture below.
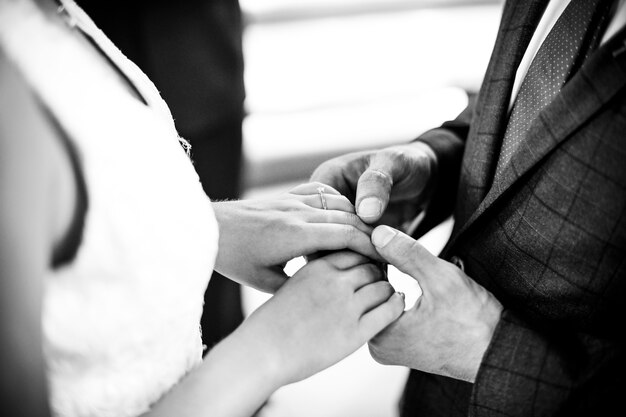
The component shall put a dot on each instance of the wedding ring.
(320, 191)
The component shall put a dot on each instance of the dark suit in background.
(547, 237)
(192, 51)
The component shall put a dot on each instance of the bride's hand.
(257, 237)
(326, 311)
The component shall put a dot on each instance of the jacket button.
(458, 262)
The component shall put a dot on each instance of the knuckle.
(376, 176)
(407, 253)
(381, 287)
(317, 184)
(351, 219)
(419, 251)
(376, 353)
(387, 288)
(291, 227)
(373, 272)
(336, 166)
(399, 304)
(289, 205)
(346, 258)
(382, 291)
(415, 246)
(450, 278)
(349, 234)
(392, 153)
(326, 170)
(391, 313)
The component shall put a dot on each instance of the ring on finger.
(320, 191)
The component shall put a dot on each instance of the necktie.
(574, 36)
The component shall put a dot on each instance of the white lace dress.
(121, 320)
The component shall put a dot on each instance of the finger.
(364, 274)
(327, 236)
(375, 320)
(341, 173)
(403, 252)
(316, 255)
(312, 188)
(372, 295)
(340, 218)
(374, 186)
(333, 202)
(269, 280)
(344, 260)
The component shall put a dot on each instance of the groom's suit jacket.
(547, 237)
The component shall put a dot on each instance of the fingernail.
(369, 207)
(382, 235)
(401, 294)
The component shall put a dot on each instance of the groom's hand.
(451, 325)
(387, 186)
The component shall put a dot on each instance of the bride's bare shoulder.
(36, 178)
(23, 246)
(20, 113)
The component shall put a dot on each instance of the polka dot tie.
(574, 36)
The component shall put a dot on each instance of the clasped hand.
(450, 327)
(328, 308)
(258, 237)
(448, 330)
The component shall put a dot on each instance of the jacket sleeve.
(448, 144)
(531, 371)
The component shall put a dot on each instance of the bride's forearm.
(234, 380)
(324, 312)
(228, 215)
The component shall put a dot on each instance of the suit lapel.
(519, 21)
(597, 82)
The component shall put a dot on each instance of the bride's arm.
(31, 216)
(233, 380)
(326, 311)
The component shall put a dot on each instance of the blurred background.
(265, 90)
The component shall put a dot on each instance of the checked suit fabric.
(546, 235)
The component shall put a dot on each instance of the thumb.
(403, 252)
(374, 189)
